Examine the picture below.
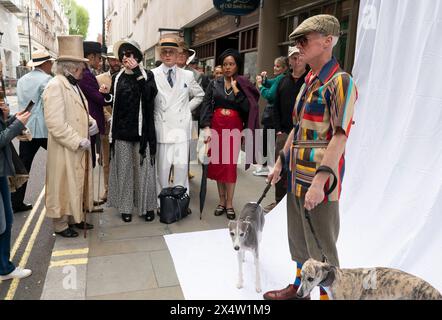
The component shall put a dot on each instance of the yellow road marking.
(26, 254)
(63, 253)
(70, 262)
(25, 228)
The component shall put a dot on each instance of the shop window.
(206, 51)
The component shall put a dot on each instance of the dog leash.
(307, 212)
(269, 185)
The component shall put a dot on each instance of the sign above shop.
(236, 7)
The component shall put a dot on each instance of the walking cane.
(307, 212)
(87, 197)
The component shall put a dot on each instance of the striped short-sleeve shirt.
(325, 103)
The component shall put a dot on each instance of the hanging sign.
(236, 7)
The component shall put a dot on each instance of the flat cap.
(323, 23)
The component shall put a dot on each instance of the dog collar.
(328, 281)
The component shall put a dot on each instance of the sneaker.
(18, 273)
(261, 172)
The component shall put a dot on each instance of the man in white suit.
(173, 114)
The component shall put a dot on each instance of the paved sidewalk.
(132, 261)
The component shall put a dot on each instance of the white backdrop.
(392, 202)
(391, 210)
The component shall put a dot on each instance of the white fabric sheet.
(392, 196)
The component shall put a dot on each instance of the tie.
(169, 78)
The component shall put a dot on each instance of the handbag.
(174, 204)
(21, 174)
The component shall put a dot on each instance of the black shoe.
(68, 233)
(231, 215)
(126, 217)
(150, 216)
(82, 226)
(22, 207)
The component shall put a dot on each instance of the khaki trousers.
(325, 220)
(63, 223)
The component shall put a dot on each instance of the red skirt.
(224, 149)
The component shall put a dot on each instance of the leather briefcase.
(174, 204)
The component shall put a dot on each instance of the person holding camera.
(10, 127)
(267, 88)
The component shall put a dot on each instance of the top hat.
(70, 48)
(39, 57)
(90, 47)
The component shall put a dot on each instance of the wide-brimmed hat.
(185, 48)
(129, 44)
(322, 23)
(70, 48)
(39, 57)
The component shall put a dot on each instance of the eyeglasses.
(167, 52)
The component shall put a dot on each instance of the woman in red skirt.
(223, 114)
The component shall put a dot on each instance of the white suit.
(173, 123)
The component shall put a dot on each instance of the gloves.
(85, 144)
(93, 129)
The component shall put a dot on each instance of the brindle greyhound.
(364, 284)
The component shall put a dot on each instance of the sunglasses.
(301, 41)
(128, 54)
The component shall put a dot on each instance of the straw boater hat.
(70, 48)
(129, 44)
(39, 57)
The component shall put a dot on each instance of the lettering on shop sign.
(236, 7)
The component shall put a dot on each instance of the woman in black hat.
(132, 181)
(226, 106)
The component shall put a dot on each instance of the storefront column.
(268, 36)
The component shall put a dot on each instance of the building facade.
(260, 36)
(9, 40)
(47, 20)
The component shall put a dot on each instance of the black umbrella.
(203, 186)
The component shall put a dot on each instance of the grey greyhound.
(246, 235)
(364, 284)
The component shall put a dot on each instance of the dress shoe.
(98, 203)
(82, 226)
(68, 233)
(126, 217)
(288, 293)
(150, 216)
(22, 207)
(18, 273)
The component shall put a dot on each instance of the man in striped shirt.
(323, 115)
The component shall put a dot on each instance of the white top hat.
(70, 48)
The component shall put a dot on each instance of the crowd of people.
(138, 125)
